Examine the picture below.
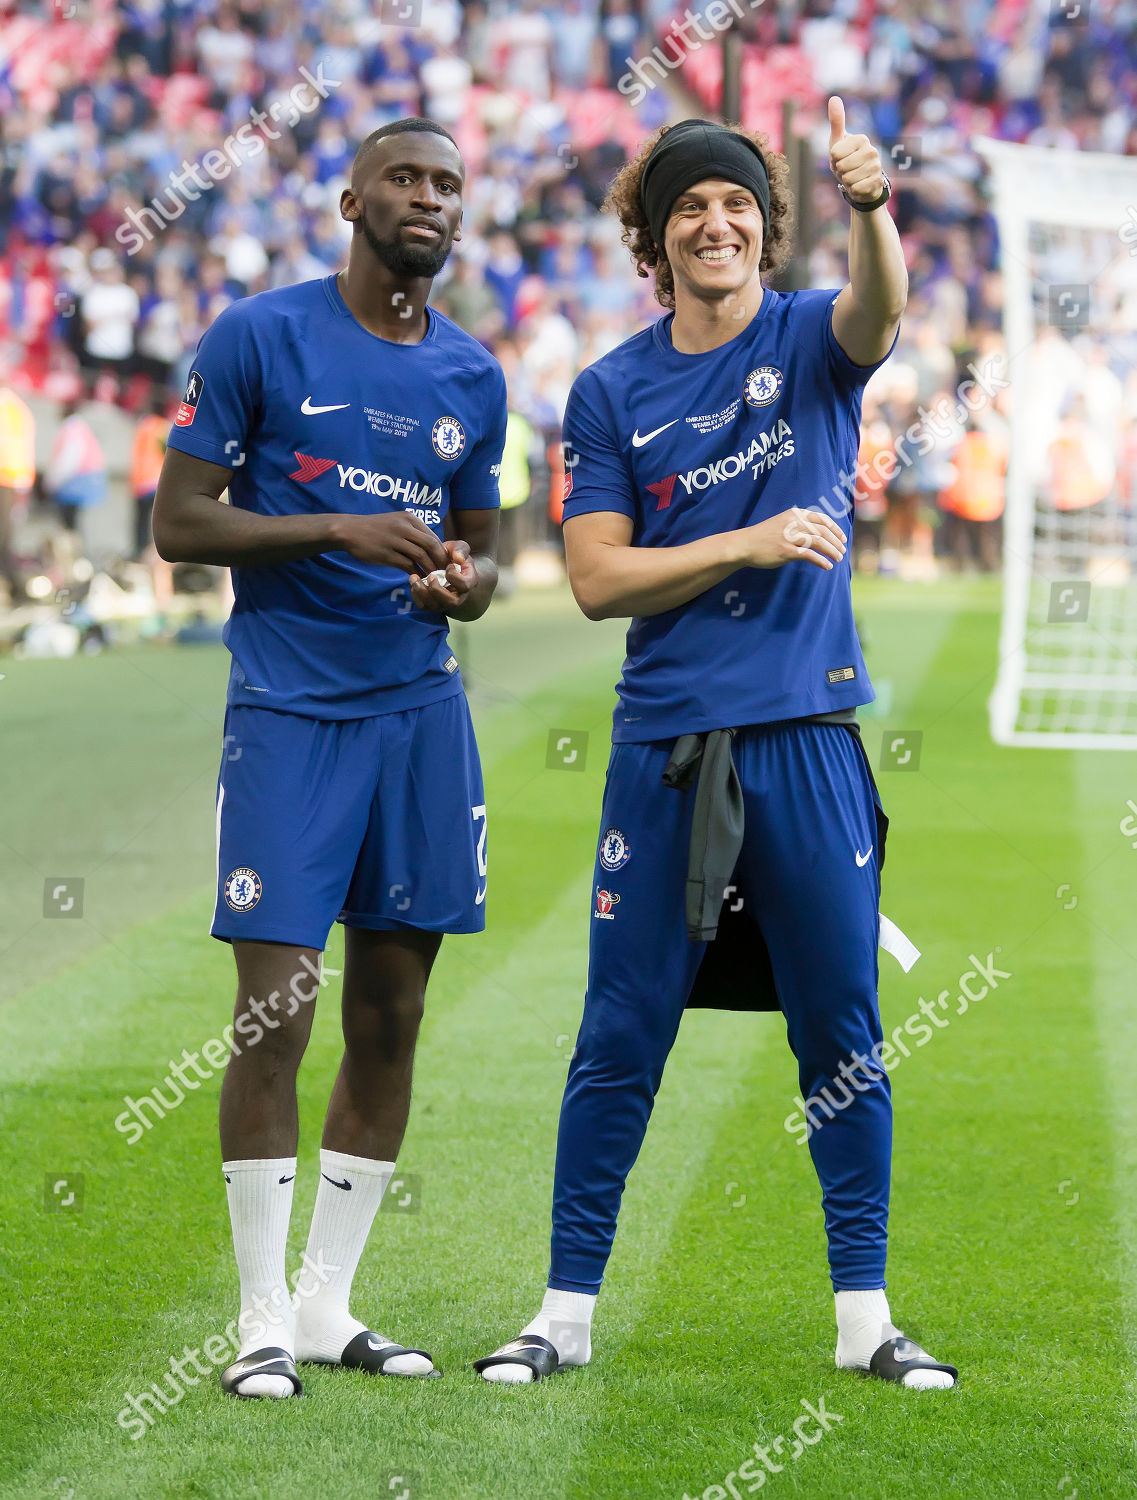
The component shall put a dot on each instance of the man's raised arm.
(867, 312)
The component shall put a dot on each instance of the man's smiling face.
(713, 239)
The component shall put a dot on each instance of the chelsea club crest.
(242, 889)
(763, 385)
(614, 851)
(448, 437)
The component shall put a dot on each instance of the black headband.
(691, 152)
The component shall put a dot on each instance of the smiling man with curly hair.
(741, 835)
(625, 200)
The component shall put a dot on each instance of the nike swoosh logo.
(344, 1184)
(371, 1344)
(638, 442)
(283, 1180)
(314, 411)
(863, 859)
(480, 897)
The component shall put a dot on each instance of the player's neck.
(390, 306)
(700, 324)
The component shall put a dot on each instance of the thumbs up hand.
(853, 159)
(836, 120)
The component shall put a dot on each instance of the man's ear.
(458, 230)
(350, 206)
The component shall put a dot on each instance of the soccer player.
(359, 434)
(702, 458)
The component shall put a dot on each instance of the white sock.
(260, 1205)
(565, 1320)
(341, 1222)
(863, 1324)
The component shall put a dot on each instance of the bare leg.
(258, 1094)
(384, 987)
(385, 978)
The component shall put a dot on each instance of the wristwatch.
(867, 208)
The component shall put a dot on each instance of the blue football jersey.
(690, 445)
(314, 414)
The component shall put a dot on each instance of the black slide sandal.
(367, 1351)
(897, 1356)
(270, 1361)
(530, 1350)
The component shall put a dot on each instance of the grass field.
(1015, 1188)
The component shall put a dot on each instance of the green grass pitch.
(1015, 1185)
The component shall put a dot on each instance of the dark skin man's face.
(405, 200)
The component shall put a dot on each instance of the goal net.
(1067, 225)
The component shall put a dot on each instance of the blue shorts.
(377, 822)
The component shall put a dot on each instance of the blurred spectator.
(76, 474)
(504, 273)
(109, 309)
(1080, 469)
(575, 39)
(243, 256)
(548, 346)
(159, 344)
(515, 487)
(620, 28)
(17, 473)
(914, 493)
(225, 51)
(446, 80)
(876, 463)
(523, 34)
(972, 503)
(146, 454)
(471, 303)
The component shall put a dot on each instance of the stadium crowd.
(160, 159)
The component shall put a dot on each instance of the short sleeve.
(475, 485)
(842, 366)
(219, 407)
(597, 476)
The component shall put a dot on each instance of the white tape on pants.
(893, 941)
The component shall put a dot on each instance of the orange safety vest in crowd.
(1080, 473)
(978, 491)
(147, 454)
(876, 440)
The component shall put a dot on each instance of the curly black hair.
(623, 200)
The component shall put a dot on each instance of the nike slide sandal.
(367, 1351)
(897, 1357)
(530, 1350)
(270, 1361)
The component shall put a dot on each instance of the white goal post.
(1067, 222)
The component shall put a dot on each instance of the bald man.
(359, 434)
